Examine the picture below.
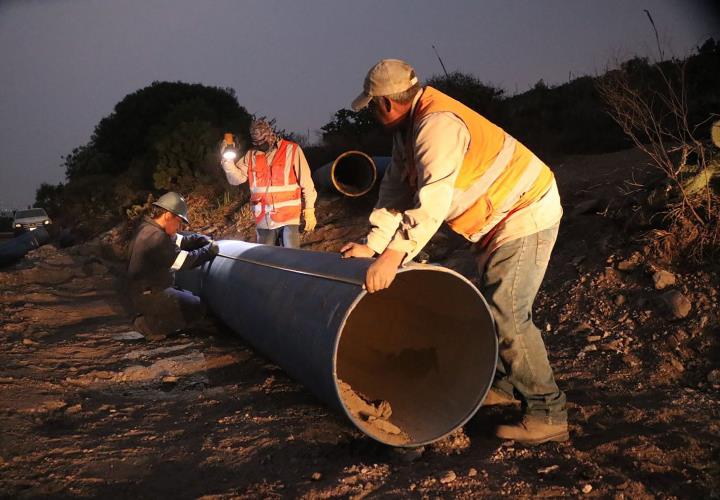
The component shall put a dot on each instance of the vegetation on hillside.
(165, 136)
(666, 111)
(159, 138)
(664, 108)
(570, 118)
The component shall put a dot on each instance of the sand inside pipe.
(373, 417)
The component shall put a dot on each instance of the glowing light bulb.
(230, 153)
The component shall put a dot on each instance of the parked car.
(29, 220)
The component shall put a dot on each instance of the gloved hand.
(233, 142)
(224, 143)
(193, 241)
(310, 220)
(214, 248)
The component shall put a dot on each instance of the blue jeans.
(286, 236)
(510, 282)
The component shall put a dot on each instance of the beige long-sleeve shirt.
(405, 221)
(237, 172)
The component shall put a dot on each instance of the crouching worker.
(156, 252)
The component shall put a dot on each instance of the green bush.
(570, 118)
(161, 137)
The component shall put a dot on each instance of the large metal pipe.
(407, 365)
(353, 173)
(15, 249)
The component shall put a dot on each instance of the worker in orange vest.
(280, 185)
(451, 164)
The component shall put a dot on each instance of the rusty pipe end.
(353, 173)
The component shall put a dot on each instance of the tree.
(184, 154)
(49, 197)
(355, 130)
(470, 91)
(164, 136)
(143, 118)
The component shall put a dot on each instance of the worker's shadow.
(481, 427)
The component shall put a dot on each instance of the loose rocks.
(663, 279)
(678, 305)
(448, 477)
(631, 263)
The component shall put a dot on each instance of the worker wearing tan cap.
(451, 164)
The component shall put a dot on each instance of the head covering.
(173, 203)
(387, 77)
(261, 132)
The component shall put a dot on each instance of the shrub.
(650, 105)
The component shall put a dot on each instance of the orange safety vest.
(274, 189)
(498, 177)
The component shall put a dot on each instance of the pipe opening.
(415, 361)
(353, 173)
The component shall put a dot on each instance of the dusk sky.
(66, 63)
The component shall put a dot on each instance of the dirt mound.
(88, 408)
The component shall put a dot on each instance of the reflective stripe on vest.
(498, 174)
(274, 188)
(464, 199)
(179, 260)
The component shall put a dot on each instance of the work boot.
(533, 430)
(496, 397)
(141, 325)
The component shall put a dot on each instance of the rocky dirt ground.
(89, 410)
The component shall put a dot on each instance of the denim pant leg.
(267, 236)
(168, 310)
(188, 306)
(291, 236)
(510, 282)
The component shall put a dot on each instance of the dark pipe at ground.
(426, 346)
(15, 249)
(352, 174)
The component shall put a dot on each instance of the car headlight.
(18, 225)
(46, 222)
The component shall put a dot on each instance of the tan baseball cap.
(389, 76)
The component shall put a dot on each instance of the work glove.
(222, 145)
(310, 220)
(196, 240)
(214, 249)
(235, 141)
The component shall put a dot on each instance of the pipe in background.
(15, 249)
(352, 174)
